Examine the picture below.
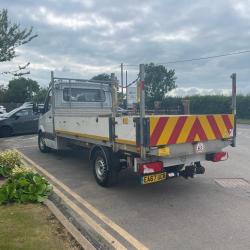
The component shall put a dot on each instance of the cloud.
(75, 21)
(182, 92)
(183, 35)
(82, 38)
(85, 3)
(242, 7)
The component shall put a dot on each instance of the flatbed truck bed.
(82, 113)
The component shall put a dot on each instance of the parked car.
(19, 121)
(122, 111)
(27, 104)
(2, 109)
(40, 107)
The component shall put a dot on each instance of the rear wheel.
(6, 131)
(106, 173)
(42, 144)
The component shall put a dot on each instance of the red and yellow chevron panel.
(166, 130)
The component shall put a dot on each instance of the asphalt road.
(176, 214)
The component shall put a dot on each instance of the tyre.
(106, 173)
(42, 144)
(6, 131)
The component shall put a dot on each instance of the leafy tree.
(11, 37)
(2, 93)
(120, 99)
(102, 77)
(40, 96)
(158, 81)
(21, 89)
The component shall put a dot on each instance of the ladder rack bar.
(81, 80)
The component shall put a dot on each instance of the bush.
(5, 171)
(21, 169)
(8, 161)
(23, 187)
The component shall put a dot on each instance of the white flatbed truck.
(83, 113)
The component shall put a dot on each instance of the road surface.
(176, 214)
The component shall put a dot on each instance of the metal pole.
(233, 76)
(114, 87)
(53, 100)
(52, 91)
(126, 78)
(114, 95)
(142, 110)
(122, 81)
(70, 93)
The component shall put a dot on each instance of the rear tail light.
(220, 156)
(150, 167)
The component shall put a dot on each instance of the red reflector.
(220, 156)
(150, 167)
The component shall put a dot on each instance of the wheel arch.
(105, 150)
(41, 129)
(111, 176)
(110, 157)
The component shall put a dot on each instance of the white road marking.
(29, 146)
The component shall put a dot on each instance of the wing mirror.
(38, 109)
(35, 109)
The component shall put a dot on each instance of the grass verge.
(32, 226)
(243, 121)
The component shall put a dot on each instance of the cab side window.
(83, 95)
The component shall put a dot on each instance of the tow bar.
(192, 170)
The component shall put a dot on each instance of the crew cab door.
(46, 120)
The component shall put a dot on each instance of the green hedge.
(243, 107)
(210, 104)
(216, 104)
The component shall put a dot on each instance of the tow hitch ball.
(191, 170)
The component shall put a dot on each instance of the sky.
(82, 38)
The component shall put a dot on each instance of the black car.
(19, 121)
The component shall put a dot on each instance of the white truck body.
(81, 113)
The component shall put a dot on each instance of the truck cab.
(72, 99)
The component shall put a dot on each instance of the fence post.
(186, 106)
(233, 76)
(142, 110)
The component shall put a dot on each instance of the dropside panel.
(125, 130)
(96, 128)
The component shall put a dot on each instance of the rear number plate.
(153, 178)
